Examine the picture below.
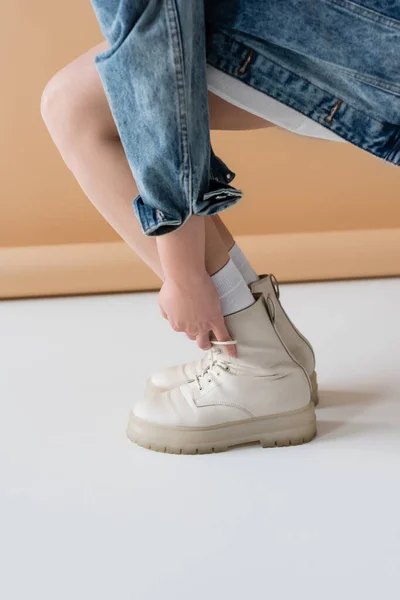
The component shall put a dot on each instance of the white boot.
(296, 343)
(262, 395)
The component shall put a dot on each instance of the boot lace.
(216, 366)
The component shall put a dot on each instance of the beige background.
(299, 193)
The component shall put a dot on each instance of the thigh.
(84, 94)
(223, 115)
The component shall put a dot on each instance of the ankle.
(232, 289)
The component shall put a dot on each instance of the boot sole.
(287, 429)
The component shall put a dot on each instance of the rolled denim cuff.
(219, 170)
(155, 222)
(219, 197)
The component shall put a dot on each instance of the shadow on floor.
(340, 398)
(355, 402)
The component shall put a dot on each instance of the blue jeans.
(336, 61)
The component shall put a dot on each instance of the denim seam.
(152, 228)
(175, 33)
(367, 14)
(378, 83)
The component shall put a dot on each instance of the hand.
(195, 309)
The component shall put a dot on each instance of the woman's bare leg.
(224, 233)
(76, 112)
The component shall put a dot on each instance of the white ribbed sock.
(247, 271)
(232, 289)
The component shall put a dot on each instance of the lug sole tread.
(215, 448)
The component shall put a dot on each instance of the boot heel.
(314, 388)
(293, 430)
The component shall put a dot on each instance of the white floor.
(86, 515)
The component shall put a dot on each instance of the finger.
(203, 340)
(191, 336)
(222, 335)
(163, 313)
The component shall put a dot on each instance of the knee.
(59, 107)
(65, 109)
